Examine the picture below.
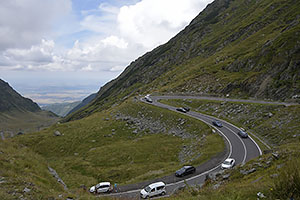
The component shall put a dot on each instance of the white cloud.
(24, 23)
(37, 53)
(100, 20)
(105, 7)
(87, 68)
(103, 54)
(119, 34)
(153, 22)
(117, 68)
(115, 41)
(94, 55)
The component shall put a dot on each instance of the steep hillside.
(127, 144)
(19, 114)
(83, 103)
(10, 100)
(238, 47)
(61, 109)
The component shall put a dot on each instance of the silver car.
(228, 163)
(101, 187)
(243, 134)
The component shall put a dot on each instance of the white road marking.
(245, 155)
(260, 152)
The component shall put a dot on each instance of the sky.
(62, 50)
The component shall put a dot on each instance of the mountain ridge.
(11, 100)
(242, 48)
(83, 103)
(21, 115)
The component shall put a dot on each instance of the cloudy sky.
(56, 46)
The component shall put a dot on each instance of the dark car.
(182, 109)
(243, 134)
(185, 171)
(186, 108)
(217, 123)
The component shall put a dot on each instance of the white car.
(153, 189)
(148, 99)
(101, 188)
(228, 163)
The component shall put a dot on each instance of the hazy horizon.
(47, 90)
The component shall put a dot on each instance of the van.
(153, 189)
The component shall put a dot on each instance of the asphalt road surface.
(241, 149)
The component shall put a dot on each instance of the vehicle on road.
(183, 109)
(187, 109)
(153, 189)
(102, 187)
(217, 123)
(186, 170)
(148, 99)
(228, 163)
(243, 134)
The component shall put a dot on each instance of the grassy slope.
(239, 62)
(276, 124)
(22, 168)
(245, 48)
(272, 180)
(25, 121)
(84, 155)
(281, 130)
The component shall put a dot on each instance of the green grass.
(88, 152)
(212, 73)
(25, 121)
(21, 167)
(274, 124)
(276, 180)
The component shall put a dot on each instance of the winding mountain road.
(242, 150)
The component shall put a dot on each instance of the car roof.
(187, 166)
(153, 185)
(229, 159)
(104, 183)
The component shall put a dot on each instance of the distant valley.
(61, 109)
(64, 109)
